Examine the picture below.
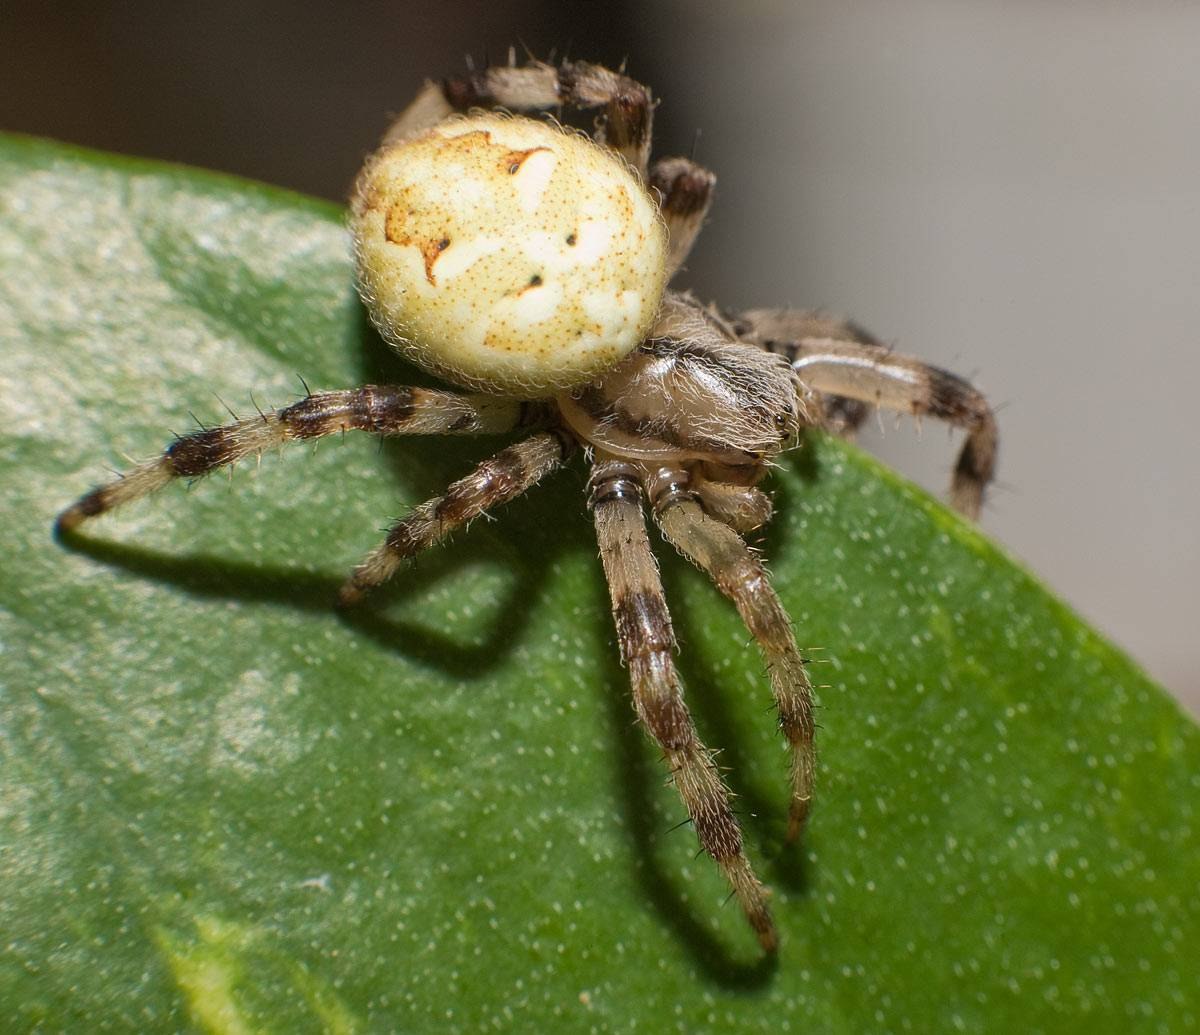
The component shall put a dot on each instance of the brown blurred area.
(290, 93)
(1009, 190)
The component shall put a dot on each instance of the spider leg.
(769, 327)
(647, 642)
(624, 124)
(424, 111)
(381, 409)
(873, 374)
(685, 192)
(742, 507)
(737, 572)
(497, 480)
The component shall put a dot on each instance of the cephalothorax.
(529, 263)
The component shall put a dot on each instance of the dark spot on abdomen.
(512, 161)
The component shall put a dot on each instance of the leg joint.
(614, 483)
(666, 718)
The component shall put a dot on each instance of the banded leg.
(685, 192)
(737, 572)
(496, 480)
(647, 642)
(770, 327)
(624, 125)
(874, 374)
(381, 409)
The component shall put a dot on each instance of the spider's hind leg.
(624, 125)
(381, 409)
(647, 642)
(496, 480)
(685, 192)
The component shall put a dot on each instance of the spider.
(528, 264)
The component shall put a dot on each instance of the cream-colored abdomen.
(508, 255)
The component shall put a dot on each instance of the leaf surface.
(227, 807)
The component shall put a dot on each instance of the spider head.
(506, 254)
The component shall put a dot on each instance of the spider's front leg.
(873, 374)
(625, 124)
(381, 409)
(647, 643)
(737, 572)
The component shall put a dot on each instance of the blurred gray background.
(1011, 190)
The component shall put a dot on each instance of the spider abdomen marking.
(507, 254)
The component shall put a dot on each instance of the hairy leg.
(771, 327)
(742, 507)
(647, 643)
(496, 480)
(737, 572)
(685, 192)
(624, 124)
(381, 409)
(874, 374)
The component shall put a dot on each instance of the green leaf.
(226, 807)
